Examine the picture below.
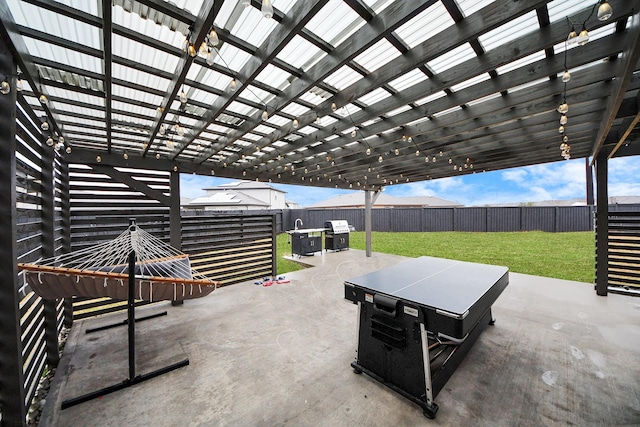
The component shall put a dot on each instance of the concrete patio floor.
(279, 355)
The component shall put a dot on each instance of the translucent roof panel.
(470, 82)
(300, 53)
(560, 9)
(252, 27)
(378, 5)
(231, 57)
(469, 7)
(55, 24)
(452, 58)
(415, 31)
(63, 55)
(514, 29)
(144, 54)
(529, 59)
(274, 77)
(377, 55)
(408, 79)
(374, 96)
(142, 78)
(335, 22)
(141, 96)
(161, 33)
(344, 77)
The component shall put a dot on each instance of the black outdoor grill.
(336, 236)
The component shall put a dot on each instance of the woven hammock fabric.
(161, 271)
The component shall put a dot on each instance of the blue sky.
(552, 181)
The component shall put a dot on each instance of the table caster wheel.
(430, 412)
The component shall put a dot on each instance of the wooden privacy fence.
(480, 219)
(624, 248)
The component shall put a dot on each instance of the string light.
(233, 85)
(267, 9)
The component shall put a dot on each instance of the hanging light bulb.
(295, 123)
(604, 10)
(180, 130)
(450, 160)
(19, 84)
(433, 159)
(565, 138)
(380, 159)
(583, 37)
(353, 133)
(417, 153)
(203, 48)
(44, 126)
(98, 159)
(213, 38)
(368, 151)
(43, 99)
(49, 142)
(572, 37)
(440, 154)
(233, 85)
(318, 120)
(209, 58)
(396, 151)
(68, 149)
(5, 88)
(183, 96)
(334, 107)
(563, 119)
(61, 139)
(566, 76)
(561, 129)
(191, 49)
(426, 159)
(158, 156)
(267, 9)
(265, 115)
(159, 111)
(563, 108)
(125, 156)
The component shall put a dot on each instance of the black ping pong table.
(418, 319)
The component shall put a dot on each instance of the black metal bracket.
(125, 322)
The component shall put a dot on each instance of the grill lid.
(338, 226)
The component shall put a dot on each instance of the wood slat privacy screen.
(624, 248)
(40, 206)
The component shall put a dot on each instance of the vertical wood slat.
(12, 391)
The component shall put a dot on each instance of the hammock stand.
(135, 282)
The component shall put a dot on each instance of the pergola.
(353, 94)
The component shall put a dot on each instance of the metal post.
(48, 251)
(602, 224)
(65, 217)
(12, 393)
(367, 220)
(131, 308)
(175, 221)
(589, 173)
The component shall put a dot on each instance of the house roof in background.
(227, 198)
(356, 199)
(244, 185)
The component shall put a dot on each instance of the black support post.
(589, 173)
(65, 217)
(12, 393)
(175, 222)
(602, 224)
(48, 251)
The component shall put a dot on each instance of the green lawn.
(568, 256)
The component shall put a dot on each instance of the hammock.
(161, 271)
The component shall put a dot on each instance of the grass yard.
(568, 256)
